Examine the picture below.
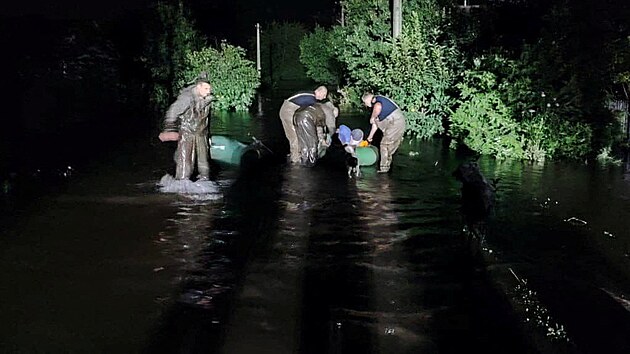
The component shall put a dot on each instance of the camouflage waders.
(393, 128)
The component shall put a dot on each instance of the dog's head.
(477, 193)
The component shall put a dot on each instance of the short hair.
(366, 95)
(202, 78)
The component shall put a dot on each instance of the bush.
(280, 52)
(482, 120)
(416, 69)
(169, 38)
(501, 113)
(317, 54)
(234, 79)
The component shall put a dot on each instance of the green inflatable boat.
(367, 155)
(227, 150)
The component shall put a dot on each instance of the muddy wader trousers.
(191, 149)
(308, 141)
(393, 128)
(286, 117)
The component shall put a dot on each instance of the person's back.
(309, 125)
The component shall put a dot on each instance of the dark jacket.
(188, 114)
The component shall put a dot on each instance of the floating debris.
(548, 202)
(609, 234)
(575, 221)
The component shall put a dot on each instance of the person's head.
(356, 136)
(367, 99)
(344, 134)
(203, 89)
(321, 92)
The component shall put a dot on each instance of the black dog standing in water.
(478, 197)
(339, 160)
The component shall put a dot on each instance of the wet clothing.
(387, 106)
(303, 99)
(188, 115)
(350, 139)
(311, 124)
(393, 126)
(288, 108)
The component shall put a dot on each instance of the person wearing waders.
(386, 116)
(186, 121)
(314, 126)
(288, 108)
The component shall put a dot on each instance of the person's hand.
(369, 139)
(168, 136)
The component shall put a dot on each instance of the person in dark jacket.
(314, 126)
(288, 108)
(186, 121)
(386, 116)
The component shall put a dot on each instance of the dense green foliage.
(169, 39)
(177, 53)
(501, 112)
(415, 70)
(482, 121)
(234, 79)
(535, 88)
(280, 52)
(317, 54)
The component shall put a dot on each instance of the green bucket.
(367, 155)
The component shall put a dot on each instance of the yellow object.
(364, 143)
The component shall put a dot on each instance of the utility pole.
(467, 7)
(258, 47)
(342, 21)
(258, 67)
(397, 18)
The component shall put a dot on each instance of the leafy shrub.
(280, 52)
(482, 120)
(498, 96)
(234, 79)
(317, 54)
(169, 38)
(416, 69)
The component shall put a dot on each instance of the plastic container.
(367, 155)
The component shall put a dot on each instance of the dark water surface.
(295, 260)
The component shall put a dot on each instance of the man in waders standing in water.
(386, 116)
(186, 121)
(289, 106)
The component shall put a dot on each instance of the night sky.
(218, 19)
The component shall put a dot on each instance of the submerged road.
(295, 260)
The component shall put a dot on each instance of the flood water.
(297, 260)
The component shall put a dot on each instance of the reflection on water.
(296, 260)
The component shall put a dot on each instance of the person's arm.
(376, 110)
(170, 131)
(350, 149)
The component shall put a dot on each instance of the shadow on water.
(297, 260)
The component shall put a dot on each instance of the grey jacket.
(188, 114)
